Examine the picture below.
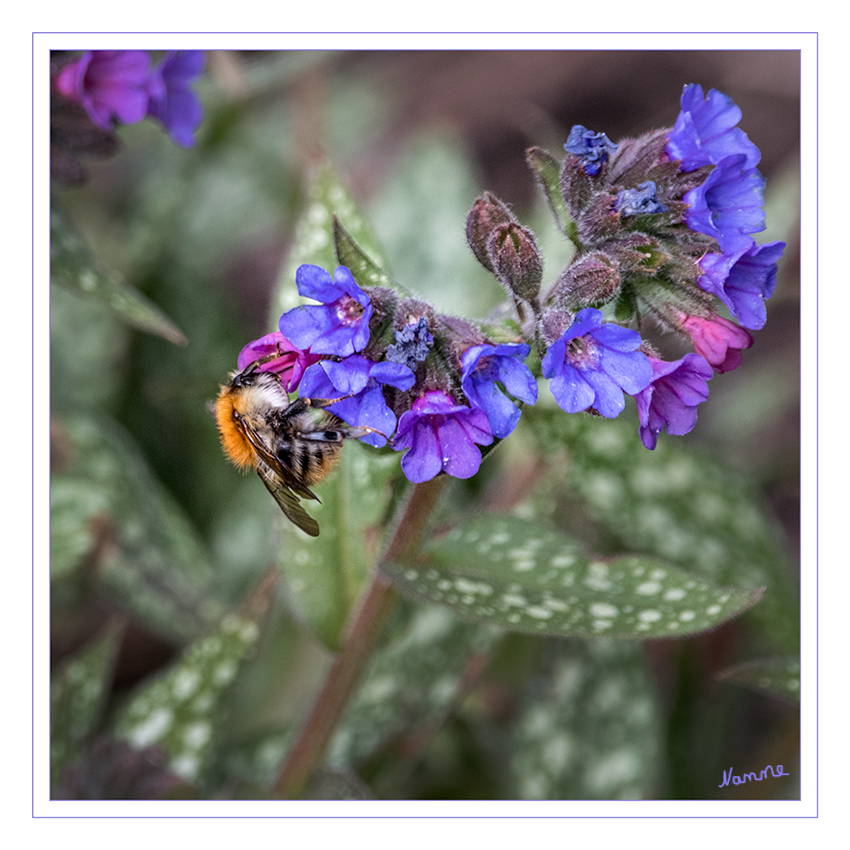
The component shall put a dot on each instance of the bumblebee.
(292, 445)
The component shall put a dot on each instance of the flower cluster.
(121, 85)
(662, 225)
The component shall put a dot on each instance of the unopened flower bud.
(592, 280)
(516, 259)
(487, 213)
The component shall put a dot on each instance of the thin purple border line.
(447, 817)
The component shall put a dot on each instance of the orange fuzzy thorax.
(235, 446)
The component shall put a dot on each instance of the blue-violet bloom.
(742, 281)
(109, 84)
(592, 149)
(671, 399)
(441, 436)
(728, 205)
(172, 100)
(412, 343)
(362, 380)
(639, 201)
(341, 325)
(593, 363)
(705, 132)
(483, 367)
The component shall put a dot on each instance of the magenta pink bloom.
(718, 340)
(289, 365)
(110, 84)
(441, 437)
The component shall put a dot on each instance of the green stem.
(363, 633)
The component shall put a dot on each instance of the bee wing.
(288, 500)
(280, 482)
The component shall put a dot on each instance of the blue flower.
(743, 280)
(705, 132)
(593, 363)
(441, 437)
(412, 344)
(171, 99)
(640, 201)
(671, 399)
(591, 148)
(483, 367)
(341, 325)
(362, 380)
(728, 205)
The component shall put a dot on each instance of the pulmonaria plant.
(121, 85)
(662, 225)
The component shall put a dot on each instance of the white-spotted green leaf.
(181, 710)
(673, 503)
(78, 692)
(114, 519)
(590, 727)
(410, 682)
(325, 574)
(73, 266)
(314, 240)
(778, 677)
(523, 577)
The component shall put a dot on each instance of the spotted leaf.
(590, 726)
(523, 577)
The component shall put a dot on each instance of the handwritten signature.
(770, 770)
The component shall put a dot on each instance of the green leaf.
(590, 728)
(182, 710)
(327, 199)
(115, 521)
(411, 682)
(674, 503)
(779, 677)
(547, 171)
(325, 574)
(78, 693)
(365, 271)
(518, 575)
(74, 266)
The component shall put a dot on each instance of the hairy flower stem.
(363, 633)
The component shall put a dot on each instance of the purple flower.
(289, 363)
(110, 84)
(591, 148)
(639, 201)
(441, 437)
(671, 399)
(171, 99)
(742, 281)
(592, 364)
(728, 205)
(361, 379)
(341, 325)
(705, 131)
(483, 367)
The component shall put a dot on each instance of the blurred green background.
(154, 536)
